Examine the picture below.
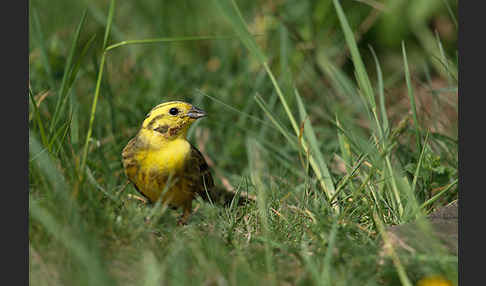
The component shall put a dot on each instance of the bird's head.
(171, 119)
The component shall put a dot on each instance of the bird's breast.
(157, 167)
(171, 158)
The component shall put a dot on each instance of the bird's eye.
(173, 111)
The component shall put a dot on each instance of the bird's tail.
(220, 195)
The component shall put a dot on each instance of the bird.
(162, 164)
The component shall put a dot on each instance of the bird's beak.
(196, 113)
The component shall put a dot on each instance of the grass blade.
(166, 40)
(343, 144)
(419, 165)
(381, 92)
(411, 97)
(63, 90)
(78, 63)
(233, 14)
(275, 122)
(109, 21)
(360, 70)
(449, 9)
(361, 74)
(324, 176)
(451, 72)
(348, 177)
(438, 195)
(97, 89)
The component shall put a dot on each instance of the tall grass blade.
(411, 97)
(241, 113)
(79, 61)
(233, 14)
(361, 74)
(386, 140)
(449, 9)
(451, 72)
(419, 164)
(275, 122)
(97, 89)
(393, 185)
(62, 129)
(438, 195)
(166, 40)
(338, 78)
(99, 16)
(381, 92)
(74, 127)
(360, 71)
(109, 21)
(324, 176)
(63, 90)
(343, 144)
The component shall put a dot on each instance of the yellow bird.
(161, 163)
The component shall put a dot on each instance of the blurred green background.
(83, 227)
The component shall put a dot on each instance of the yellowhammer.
(161, 163)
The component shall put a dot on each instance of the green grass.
(339, 118)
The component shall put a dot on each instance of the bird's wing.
(202, 181)
(130, 164)
(199, 174)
